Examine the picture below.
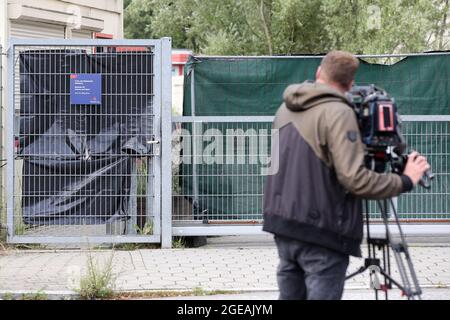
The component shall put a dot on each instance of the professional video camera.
(380, 129)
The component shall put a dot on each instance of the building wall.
(177, 95)
(52, 18)
(179, 59)
(104, 16)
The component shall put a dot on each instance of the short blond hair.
(339, 67)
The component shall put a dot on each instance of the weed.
(31, 246)
(142, 174)
(35, 296)
(8, 296)
(2, 238)
(19, 228)
(128, 246)
(98, 283)
(178, 243)
(146, 230)
(168, 294)
(198, 291)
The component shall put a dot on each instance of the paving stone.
(218, 268)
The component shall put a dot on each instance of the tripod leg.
(386, 266)
(392, 280)
(407, 273)
(360, 270)
(412, 272)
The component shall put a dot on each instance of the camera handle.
(425, 181)
(428, 176)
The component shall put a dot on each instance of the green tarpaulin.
(254, 87)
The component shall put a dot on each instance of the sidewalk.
(248, 266)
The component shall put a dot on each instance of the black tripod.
(376, 266)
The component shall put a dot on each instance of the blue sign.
(86, 88)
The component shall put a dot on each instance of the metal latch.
(156, 148)
(375, 281)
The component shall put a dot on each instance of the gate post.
(9, 141)
(166, 143)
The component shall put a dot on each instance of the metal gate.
(84, 126)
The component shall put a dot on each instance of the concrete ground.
(235, 264)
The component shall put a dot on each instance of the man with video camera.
(312, 203)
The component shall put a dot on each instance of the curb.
(72, 295)
(38, 295)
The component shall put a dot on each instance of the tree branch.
(266, 28)
(251, 28)
(443, 26)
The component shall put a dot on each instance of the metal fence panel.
(80, 169)
(433, 138)
(219, 172)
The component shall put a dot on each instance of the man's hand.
(416, 167)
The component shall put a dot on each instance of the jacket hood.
(300, 97)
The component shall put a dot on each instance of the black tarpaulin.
(78, 158)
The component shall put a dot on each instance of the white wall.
(105, 16)
(177, 95)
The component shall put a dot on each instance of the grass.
(3, 239)
(8, 296)
(440, 285)
(35, 296)
(198, 291)
(2, 225)
(19, 228)
(142, 174)
(40, 295)
(178, 243)
(4, 246)
(30, 246)
(170, 294)
(98, 282)
(146, 230)
(137, 246)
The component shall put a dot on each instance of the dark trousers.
(309, 272)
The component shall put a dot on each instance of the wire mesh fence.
(219, 170)
(430, 138)
(86, 142)
(220, 165)
(237, 92)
